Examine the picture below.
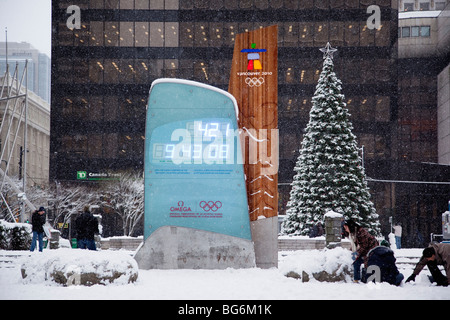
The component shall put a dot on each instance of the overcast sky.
(28, 21)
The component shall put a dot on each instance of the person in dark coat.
(384, 259)
(86, 228)
(363, 242)
(37, 223)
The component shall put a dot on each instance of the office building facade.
(102, 73)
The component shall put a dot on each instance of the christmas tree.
(329, 174)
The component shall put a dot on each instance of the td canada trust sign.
(96, 176)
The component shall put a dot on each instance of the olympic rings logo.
(210, 205)
(254, 82)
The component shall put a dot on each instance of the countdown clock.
(194, 175)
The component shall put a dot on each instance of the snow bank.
(76, 266)
(322, 265)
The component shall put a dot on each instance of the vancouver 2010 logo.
(254, 67)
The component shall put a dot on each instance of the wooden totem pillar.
(254, 84)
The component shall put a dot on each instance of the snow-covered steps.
(10, 259)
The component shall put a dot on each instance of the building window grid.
(215, 35)
(414, 31)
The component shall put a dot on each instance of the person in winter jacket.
(86, 227)
(383, 258)
(436, 254)
(37, 223)
(363, 242)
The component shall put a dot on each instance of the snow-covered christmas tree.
(329, 174)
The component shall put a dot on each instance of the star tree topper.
(328, 51)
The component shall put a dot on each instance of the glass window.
(171, 34)
(157, 5)
(111, 33)
(96, 4)
(216, 34)
(96, 33)
(186, 4)
(201, 34)
(216, 4)
(141, 35)
(96, 71)
(337, 33)
(408, 7)
(126, 71)
(81, 35)
(156, 34)
(382, 35)
(96, 108)
(424, 6)
(245, 4)
(276, 4)
(126, 34)
(291, 4)
(65, 35)
(306, 33)
(171, 68)
(290, 33)
(111, 4)
(439, 5)
(425, 31)
(382, 110)
(229, 33)
(351, 33)
(95, 146)
(261, 4)
(80, 71)
(414, 31)
(186, 34)
(126, 4)
(142, 71)
(111, 71)
(79, 145)
(141, 4)
(231, 4)
(156, 68)
(405, 32)
(367, 36)
(352, 4)
(111, 106)
(337, 4)
(201, 72)
(110, 146)
(65, 72)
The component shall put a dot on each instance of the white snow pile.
(330, 265)
(79, 267)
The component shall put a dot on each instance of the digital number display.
(198, 141)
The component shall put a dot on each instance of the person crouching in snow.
(362, 242)
(383, 258)
(436, 254)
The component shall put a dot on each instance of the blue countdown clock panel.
(194, 175)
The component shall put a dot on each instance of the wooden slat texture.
(256, 92)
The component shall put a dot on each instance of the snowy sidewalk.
(234, 284)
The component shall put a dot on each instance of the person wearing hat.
(37, 223)
(436, 254)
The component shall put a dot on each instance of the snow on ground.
(234, 284)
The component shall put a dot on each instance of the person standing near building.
(398, 235)
(86, 228)
(37, 223)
